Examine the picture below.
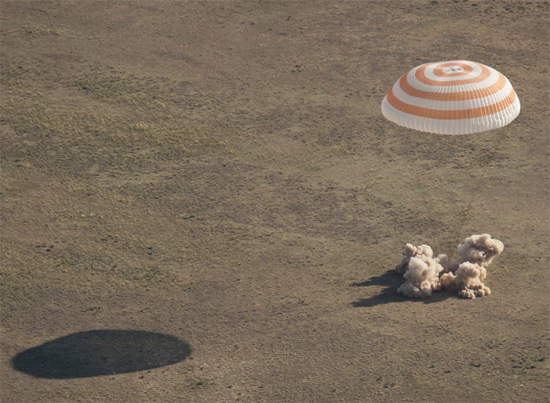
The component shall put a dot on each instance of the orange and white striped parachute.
(454, 97)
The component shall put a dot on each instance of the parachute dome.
(453, 97)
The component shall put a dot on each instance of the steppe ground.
(220, 172)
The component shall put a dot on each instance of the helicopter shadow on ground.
(391, 280)
(101, 352)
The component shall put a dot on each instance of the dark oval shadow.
(101, 352)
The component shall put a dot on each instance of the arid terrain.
(202, 202)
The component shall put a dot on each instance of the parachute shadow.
(101, 352)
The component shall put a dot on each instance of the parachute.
(452, 97)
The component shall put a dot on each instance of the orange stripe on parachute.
(452, 96)
(420, 76)
(451, 114)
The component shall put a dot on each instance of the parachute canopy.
(453, 97)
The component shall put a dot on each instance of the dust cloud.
(465, 274)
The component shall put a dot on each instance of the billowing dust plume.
(421, 271)
(465, 274)
(468, 280)
(479, 249)
(468, 270)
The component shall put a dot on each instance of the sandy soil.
(217, 175)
